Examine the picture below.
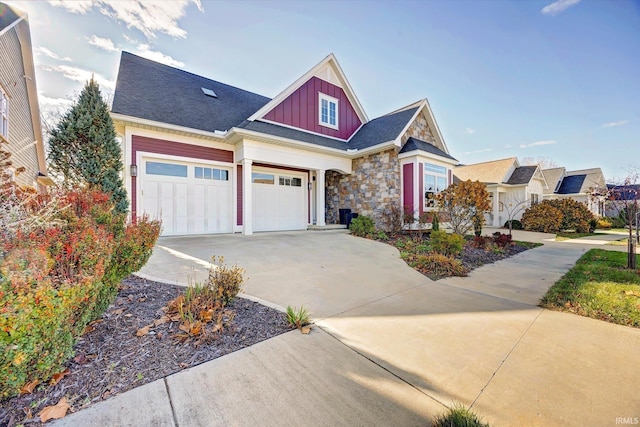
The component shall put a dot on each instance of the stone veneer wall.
(420, 129)
(368, 190)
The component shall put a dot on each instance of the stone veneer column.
(247, 209)
(320, 190)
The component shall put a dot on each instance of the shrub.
(575, 215)
(439, 265)
(59, 273)
(392, 219)
(362, 226)
(481, 242)
(435, 225)
(225, 281)
(604, 223)
(459, 416)
(297, 317)
(502, 240)
(542, 217)
(446, 244)
(382, 236)
(515, 224)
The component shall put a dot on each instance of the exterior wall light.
(134, 170)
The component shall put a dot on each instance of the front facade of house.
(578, 185)
(218, 159)
(512, 188)
(20, 128)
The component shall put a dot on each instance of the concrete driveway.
(391, 347)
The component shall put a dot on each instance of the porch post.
(496, 208)
(247, 209)
(320, 214)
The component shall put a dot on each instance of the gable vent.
(209, 92)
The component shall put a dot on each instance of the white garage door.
(279, 200)
(190, 198)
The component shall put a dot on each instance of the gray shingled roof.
(8, 15)
(522, 175)
(571, 184)
(416, 144)
(154, 91)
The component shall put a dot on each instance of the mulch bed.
(111, 359)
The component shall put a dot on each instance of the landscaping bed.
(110, 358)
(414, 248)
(599, 286)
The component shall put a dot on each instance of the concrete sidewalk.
(392, 347)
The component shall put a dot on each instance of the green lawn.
(599, 286)
(566, 236)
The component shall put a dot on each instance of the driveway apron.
(479, 340)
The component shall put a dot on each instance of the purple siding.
(159, 146)
(407, 186)
(300, 110)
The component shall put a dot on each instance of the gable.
(301, 110)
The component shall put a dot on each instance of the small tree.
(624, 199)
(513, 208)
(83, 147)
(465, 204)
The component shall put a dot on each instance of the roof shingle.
(416, 144)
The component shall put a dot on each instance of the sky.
(556, 81)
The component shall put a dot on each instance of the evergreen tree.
(83, 147)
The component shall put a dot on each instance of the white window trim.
(321, 97)
(4, 115)
(437, 175)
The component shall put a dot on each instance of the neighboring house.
(619, 197)
(19, 110)
(578, 185)
(207, 157)
(512, 188)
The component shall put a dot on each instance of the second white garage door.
(279, 200)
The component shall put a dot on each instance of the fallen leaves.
(29, 387)
(143, 331)
(55, 412)
(305, 330)
(55, 379)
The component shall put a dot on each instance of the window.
(290, 182)
(328, 111)
(4, 115)
(167, 169)
(262, 178)
(212, 173)
(435, 180)
(535, 199)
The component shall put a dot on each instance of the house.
(578, 185)
(620, 197)
(207, 157)
(20, 127)
(512, 188)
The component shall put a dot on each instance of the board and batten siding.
(170, 148)
(300, 110)
(21, 134)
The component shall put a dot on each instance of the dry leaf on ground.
(55, 412)
(29, 387)
(60, 375)
(143, 331)
(305, 330)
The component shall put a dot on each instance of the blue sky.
(537, 79)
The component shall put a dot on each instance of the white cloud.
(47, 102)
(79, 75)
(484, 150)
(147, 16)
(46, 52)
(612, 124)
(74, 6)
(104, 44)
(537, 143)
(469, 131)
(558, 6)
(507, 146)
(145, 51)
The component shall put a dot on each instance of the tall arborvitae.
(83, 147)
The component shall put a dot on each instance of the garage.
(190, 198)
(279, 199)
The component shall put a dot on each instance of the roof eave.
(124, 119)
(418, 152)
